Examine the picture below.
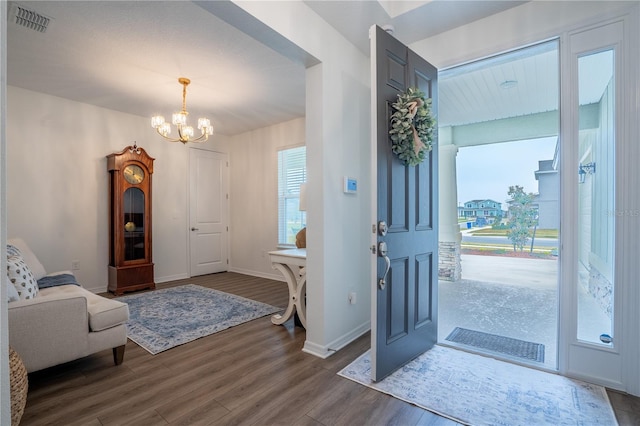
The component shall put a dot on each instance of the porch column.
(449, 267)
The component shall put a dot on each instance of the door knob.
(382, 228)
(194, 229)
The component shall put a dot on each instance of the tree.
(522, 216)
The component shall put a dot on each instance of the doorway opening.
(501, 115)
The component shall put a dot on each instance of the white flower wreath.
(412, 126)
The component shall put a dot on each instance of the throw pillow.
(29, 257)
(13, 251)
(21, 277)
(12, 293)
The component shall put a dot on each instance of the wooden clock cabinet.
(130, 254)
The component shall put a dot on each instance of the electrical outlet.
(352, 298)
(75, 265)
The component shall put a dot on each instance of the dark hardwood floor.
(254, 373)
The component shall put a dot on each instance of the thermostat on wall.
(350, 185)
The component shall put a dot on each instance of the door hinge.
(227, 164)
(227, 261)
(227, 196)
(227, 229)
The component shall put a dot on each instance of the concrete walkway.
(507, 296)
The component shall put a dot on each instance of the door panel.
(404, 322)
(208, 212)
(424, 268)
(397, 303)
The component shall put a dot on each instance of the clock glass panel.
(133, 224)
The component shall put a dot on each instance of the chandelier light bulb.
(179, 119)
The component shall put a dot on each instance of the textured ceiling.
(127, 56)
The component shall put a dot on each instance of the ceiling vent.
(28, 18)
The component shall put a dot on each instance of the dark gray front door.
(404, 318)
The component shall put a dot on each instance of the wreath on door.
(412, 126)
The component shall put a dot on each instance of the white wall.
(57, 184)
(338, 145)
(254, 195)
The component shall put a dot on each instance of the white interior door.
(208, 211)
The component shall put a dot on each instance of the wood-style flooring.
(252, 374)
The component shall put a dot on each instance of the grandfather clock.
(130, 260)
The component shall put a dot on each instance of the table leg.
(292, 282)
(301, 300)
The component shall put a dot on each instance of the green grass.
(540, 233)
(498, 249)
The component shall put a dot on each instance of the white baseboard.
(275, 277)
(171, 278)
(325, 351)
(97, 290)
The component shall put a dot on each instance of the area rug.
(162, 319)
(477, 390)
(498, 344)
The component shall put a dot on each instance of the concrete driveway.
(533, 273)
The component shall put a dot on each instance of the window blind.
(292, 171)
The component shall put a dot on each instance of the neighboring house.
(487, 209)
(548, 194)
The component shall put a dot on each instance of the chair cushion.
(21, 277)
(103, 313)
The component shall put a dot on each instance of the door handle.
(194, 229)
(382, 252)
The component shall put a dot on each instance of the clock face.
(133, 174)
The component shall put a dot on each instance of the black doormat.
(498, 344)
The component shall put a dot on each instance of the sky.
(487, 171)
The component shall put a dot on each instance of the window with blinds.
(292, 171)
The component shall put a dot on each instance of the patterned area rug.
(498, 344)
(477, 390)
(162, 319)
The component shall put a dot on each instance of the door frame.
(616, 366)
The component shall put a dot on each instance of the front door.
(208, 212)
(404, 311)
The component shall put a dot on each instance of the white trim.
(5, 394)
(275, 277)
(325, 351)
(168, 278)
(629, 270)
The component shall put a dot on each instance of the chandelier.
(185, 132)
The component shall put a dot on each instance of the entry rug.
(477, 390)
(162, 319)
(498, 344)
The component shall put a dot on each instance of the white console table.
(293, 265)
